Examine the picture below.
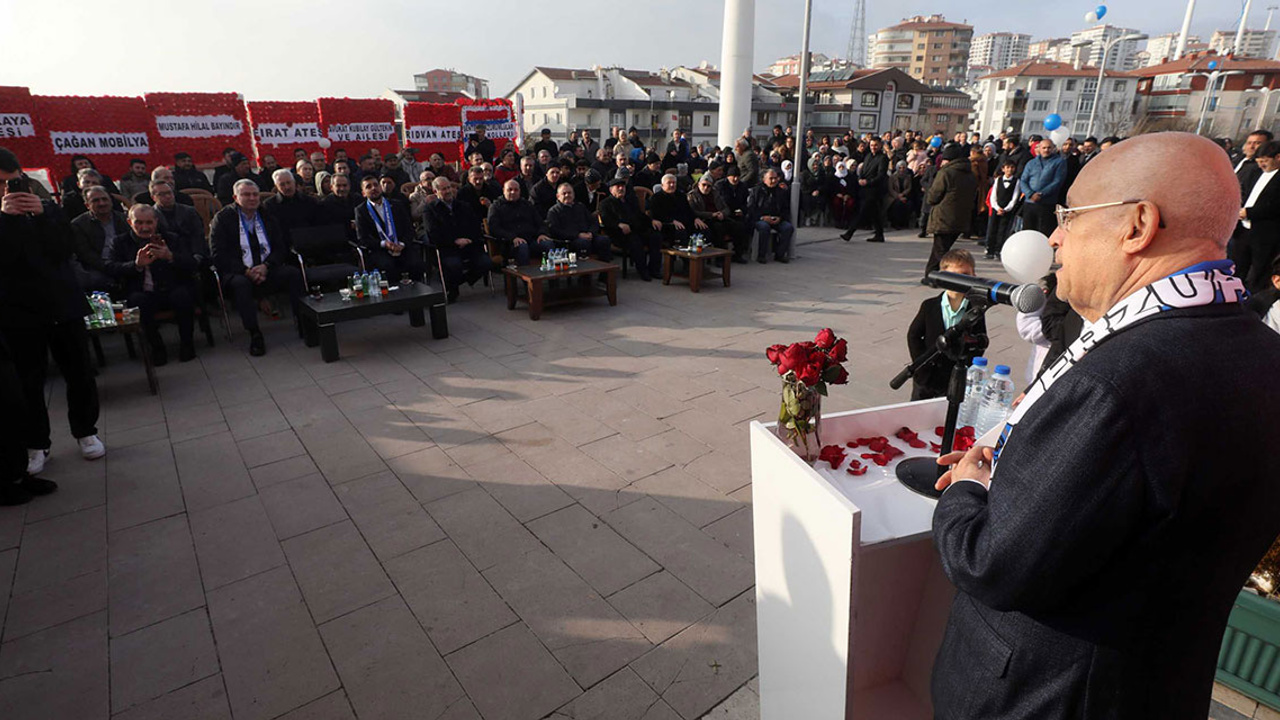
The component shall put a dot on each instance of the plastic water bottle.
(371, 286)
(997, 401)
(974, 382)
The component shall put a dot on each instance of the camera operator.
(42, 312)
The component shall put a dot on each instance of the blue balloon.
(1101, 10)
(1213, 64)
(1053, 122)
(936, 142)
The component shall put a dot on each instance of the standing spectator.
(546, 143)
(1088, 150)
(768, 207)
(479, 142)
(843, 196)
(1042, 181)
(982, 173)
(252, 258)
(42, 311)
(135, 181)
(952, 195)
(157, 272)
(1260, 220)
(1004, 196)
(873, 182)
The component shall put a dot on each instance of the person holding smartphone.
(42, 311)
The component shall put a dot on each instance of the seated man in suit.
(711, 209)
(478, 192)
(179, 219)
(937, 315)
(1098, 549)
(252, 258)
(456, 233)
(734, 193)
(291, 207)
(768, 207)
(515, 224)
(627, 225)
(385, 230)
(671, 208)
(162, 174)
(93, 230)
(187, 175)
(157, 271)
(571, 225)
(338, 207)
(543, 193)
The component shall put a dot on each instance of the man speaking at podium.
(1097, 548)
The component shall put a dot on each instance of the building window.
(1039, 105)
(557, 118)
(866, 122)
(916, 71)
(1001, 85)
(1066, 105)
(919, 58)
(937, 46)
(762, 119)
(706, 120)
(617, 118)
(1251, 102)
(1086, 106)
(1119, 85)
(870, 99)
(920, 46)
(905, 102)
(1071, 85)
(941, 120)
(1091, 85)
(1259, 80)
(1044, 84)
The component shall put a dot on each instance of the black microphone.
(1025, 298)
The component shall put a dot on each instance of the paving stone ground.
(526, 520)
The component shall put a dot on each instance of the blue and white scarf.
(387, 230)
(1208, 283)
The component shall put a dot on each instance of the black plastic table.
(319, 317)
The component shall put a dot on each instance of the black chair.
(326, 255)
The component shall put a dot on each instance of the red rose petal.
(940, 431)
(860, 470)
(916, 443)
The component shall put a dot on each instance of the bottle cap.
(1002, 369)
(980, 361)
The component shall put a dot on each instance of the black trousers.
(644, 247)
(729, 233)
(998, 231)
(243, 293)
(181, 299)
(1253, 253)
(13, 446)
(68, 343)
(942, 243)
(392, 267)
(871, 208)
(1036, 216)
(468, 264)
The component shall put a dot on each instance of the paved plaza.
(525, 520)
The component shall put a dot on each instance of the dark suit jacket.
(224, 237)
(367, 233)
(185, 222)
(1247, 175)
(91, 241)
(922, 336)
(38, 286)
(445, 225)
(122, 251)
(1126, 512)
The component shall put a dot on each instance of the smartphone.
(18, 185)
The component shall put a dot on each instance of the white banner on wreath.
(113, 143)
(361, 132)
(425, 134)
(198, 126)
(16, 125)
(286, 133)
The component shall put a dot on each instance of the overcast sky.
(303, 49)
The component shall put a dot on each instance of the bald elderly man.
(1097, 549)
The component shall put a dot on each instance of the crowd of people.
(141, 239)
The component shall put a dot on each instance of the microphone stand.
(960, 345)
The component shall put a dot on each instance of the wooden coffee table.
(697, 265)
(319, 316)
(127, 329)
(578, 281)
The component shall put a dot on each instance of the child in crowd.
(936, 316)
(1004, 199)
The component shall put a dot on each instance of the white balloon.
(324, 143)
(1060, 135)
(1027, 256)
(1091, 17)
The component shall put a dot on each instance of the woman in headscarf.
(787, 171)
(842, 188)
(323, 185)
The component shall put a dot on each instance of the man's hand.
(697, 223)
(973, 465)
(999, 211)
(584, 236)
(717, 215)
(1035, 197)
(257, 273)
(518, 241)
(657, 224)
(21, 204)
(625, 228)
(144, 257)
(773, 219)
(160, 251)
(862, 183)
(395, 249)
(1244, 214)
(462, 242)
(484, 201)
(678, 225)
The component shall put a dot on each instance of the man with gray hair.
(1098, 549)
(293, 209)
(156, 271)
(93, 231)
(455, 231)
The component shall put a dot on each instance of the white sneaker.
(91, 448)
(35, 461)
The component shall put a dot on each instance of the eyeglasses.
(1066, 214)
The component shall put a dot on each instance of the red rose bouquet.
(807, 368)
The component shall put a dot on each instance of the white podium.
(850, 596)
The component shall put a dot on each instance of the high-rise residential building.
(451, 81)
(998, 50)
(1123, 55)
(1019, 98)
(790, 65)
(927, 48)
(1254, 44)
(1053, 49)
(1160, 49)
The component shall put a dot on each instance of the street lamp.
(1209, 91)
(1266, 102)
(1102, 69)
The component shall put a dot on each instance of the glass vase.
(800, 419)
